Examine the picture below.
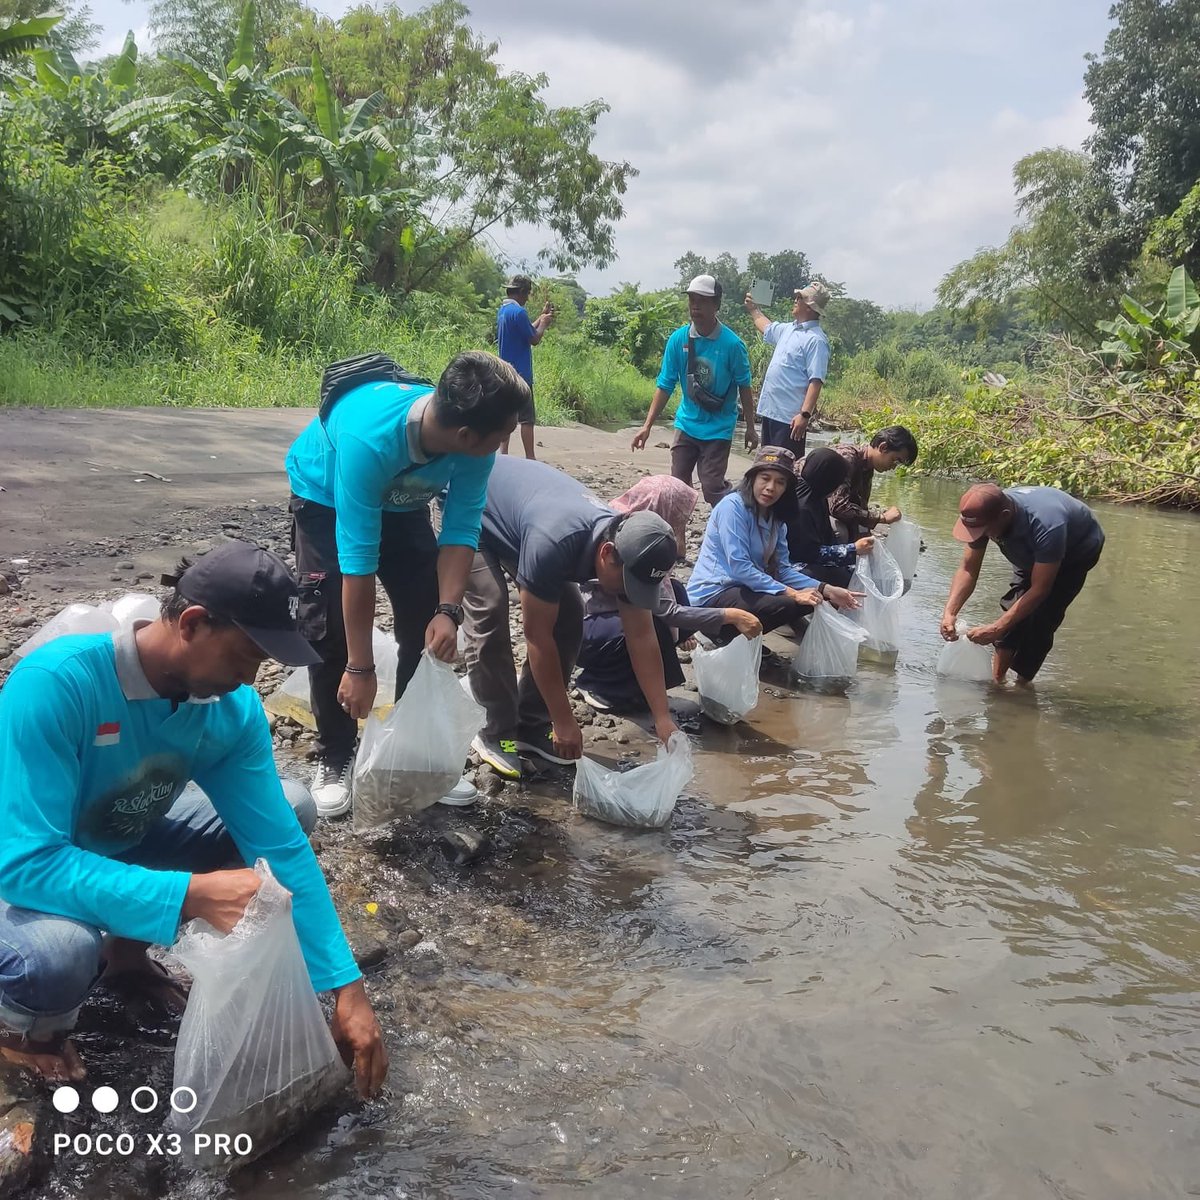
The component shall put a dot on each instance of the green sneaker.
(500, 754)
(541, 743)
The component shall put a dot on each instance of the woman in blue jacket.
(744, 561)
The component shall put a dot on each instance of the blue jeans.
(48, 963)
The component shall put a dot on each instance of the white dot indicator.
(66, 1099)
(150, 1095)
(179, 1097)
(105, 1099)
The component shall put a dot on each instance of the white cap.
(702, 285)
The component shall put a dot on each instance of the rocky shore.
(422, 901)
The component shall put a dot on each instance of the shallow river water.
(923, 940)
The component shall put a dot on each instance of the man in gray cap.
(516, 335)
(547, 532)
(792, 386)
(137, 785)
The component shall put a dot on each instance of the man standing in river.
(709, 362)
(1052, 541)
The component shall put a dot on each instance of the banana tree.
(1143, 339)
(241, 122)
(78, 101)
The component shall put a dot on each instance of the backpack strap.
(348, 373)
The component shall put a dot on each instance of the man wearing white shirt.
(797, 368)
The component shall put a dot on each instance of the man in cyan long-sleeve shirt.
(100, 737)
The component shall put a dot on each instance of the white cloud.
(876, 137)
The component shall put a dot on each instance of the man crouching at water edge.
(1052, 541)
(546, 531)
(137, 780)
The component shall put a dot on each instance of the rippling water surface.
(926, 940)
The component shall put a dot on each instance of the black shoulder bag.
(348, 373)
(700, 394)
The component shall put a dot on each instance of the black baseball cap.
(648, 549)
(254, 589)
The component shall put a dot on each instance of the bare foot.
(56, 1060)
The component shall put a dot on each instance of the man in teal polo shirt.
(709, 362)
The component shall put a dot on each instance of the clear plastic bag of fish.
(411, 758)
(75, 618)
(254, 1047)
(965, 660)
(878, 575)
(293, 700)
(904, 545)
(727, 678)
(828, 655)
(644, 797)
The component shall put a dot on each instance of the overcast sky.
(877, 138)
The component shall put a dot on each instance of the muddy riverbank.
(422, 904)
(919, 940)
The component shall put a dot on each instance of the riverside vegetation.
(213, 226)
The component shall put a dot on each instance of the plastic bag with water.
(964, 659)
(828, 655)
(415, 755)
(642, 797)
(904, 544)
(253, 1044)
(93, 618)
(292, 699)
(727, 678)
(878, 574)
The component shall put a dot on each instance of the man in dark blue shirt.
(1052, 541)
(516, 335)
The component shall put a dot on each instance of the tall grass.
(248, 314)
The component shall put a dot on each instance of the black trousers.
(605, 668)
(1032, 638)
(771, 610)
(779, 433)
(408, 572)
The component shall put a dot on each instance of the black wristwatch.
(453, 611)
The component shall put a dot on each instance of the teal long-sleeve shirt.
(91, 757)
(365, 459)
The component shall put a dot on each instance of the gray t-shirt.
(543, 524)
(1049, 527)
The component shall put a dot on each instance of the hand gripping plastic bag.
(253, 1044)
(644, 796)
(292, 699)
(415, 755)
(965, 660)
(829, 652)
(904, 545)
(727, 678)
(879, 576)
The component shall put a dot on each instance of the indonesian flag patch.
(108, 734)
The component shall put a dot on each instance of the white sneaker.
(595, 701)
(462, 794)
(331, 787)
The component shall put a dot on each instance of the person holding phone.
(797, 370)
(516, 335)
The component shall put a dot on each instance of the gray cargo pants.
(513, 705)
